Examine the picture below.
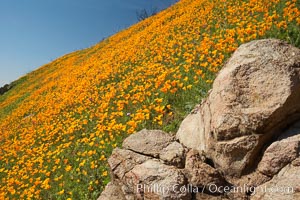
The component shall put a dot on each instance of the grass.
(60, 123)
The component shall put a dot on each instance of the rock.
(192, 127)
(296, 162)
(199, 173)
(148, 142)
(279, 154)
(121, 161)
(237, 195)
(234, 123)
(249, 181)
(112, 192)
(282, 152)
(203, 196)
(284, 186)
(234, 153)
(155, 180)
(139, 179)
(173, 154)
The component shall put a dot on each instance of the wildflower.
(104, 173)
(61, 192)
(68, 168)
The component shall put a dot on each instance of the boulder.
(203, 196)
(112, 191)
(147, 167)
(279, 154)
(283, 186)
(122, 160)
(255, 95)
(192, 127)
(199, 173)
(173, 154)
(155, 180)
(148, 142)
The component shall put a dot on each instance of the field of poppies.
(59, 123)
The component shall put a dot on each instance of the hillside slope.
(60, 122)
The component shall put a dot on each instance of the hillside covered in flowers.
(59, 123)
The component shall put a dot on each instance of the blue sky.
(35, 32)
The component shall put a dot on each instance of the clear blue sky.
(35, 32)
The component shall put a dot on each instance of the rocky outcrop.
(241, 142)
(148, 168)
(254, 97)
